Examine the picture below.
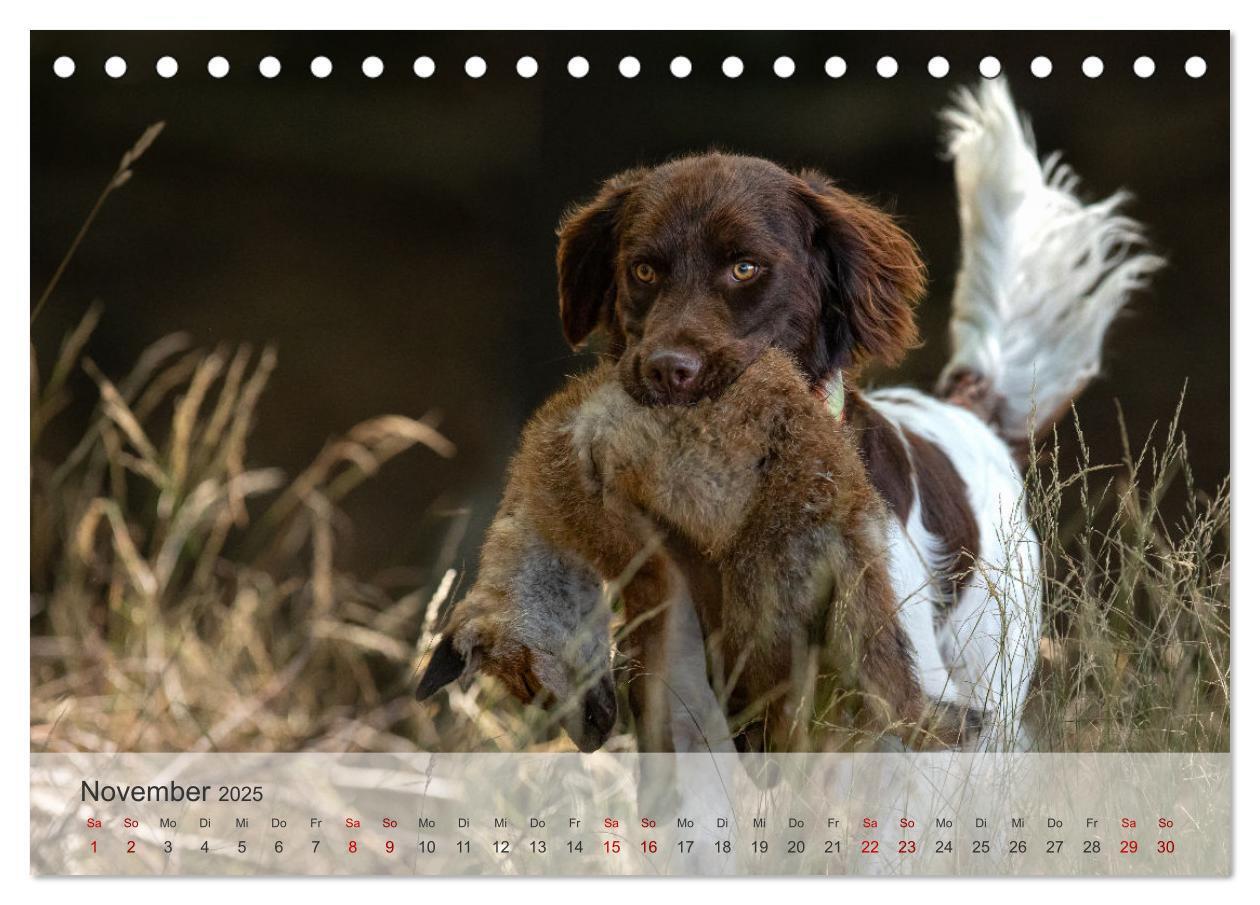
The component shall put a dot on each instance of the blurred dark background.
(394, 237)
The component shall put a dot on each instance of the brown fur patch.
(884, 453)
(946, 511)
(515, 669)
(896, 474)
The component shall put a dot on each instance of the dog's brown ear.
(871, 278)
(585, 258)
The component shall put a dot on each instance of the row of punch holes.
(629, 67)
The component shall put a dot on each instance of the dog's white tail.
(1042, 273)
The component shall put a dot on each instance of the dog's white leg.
(991, 636)
(915, 583)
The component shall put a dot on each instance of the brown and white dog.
(694, 269)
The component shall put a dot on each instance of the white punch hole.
(835, 67)
(63, 67)
(527, 67)
(373, 67)
(629, 67)
(680, 67)
(115, 67)
(579, 67)
(269, 67)
(1041, 67)
(167, 67)
(1092, 67)
(938, 67)
(475, 67)
(990, 67)
(732, 67)
(886, 67)
(784, 67)
(424, 67)
(1196, 67)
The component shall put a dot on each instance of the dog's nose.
(672, 372)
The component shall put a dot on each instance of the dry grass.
(1135, 653)
(184, 599)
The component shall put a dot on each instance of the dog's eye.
(744, 271)
(644, 273)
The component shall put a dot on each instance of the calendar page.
(630, 453)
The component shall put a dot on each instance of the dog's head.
(697, 266)
(545, 638)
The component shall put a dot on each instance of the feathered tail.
(1042, 275)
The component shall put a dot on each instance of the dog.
(694, 269)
